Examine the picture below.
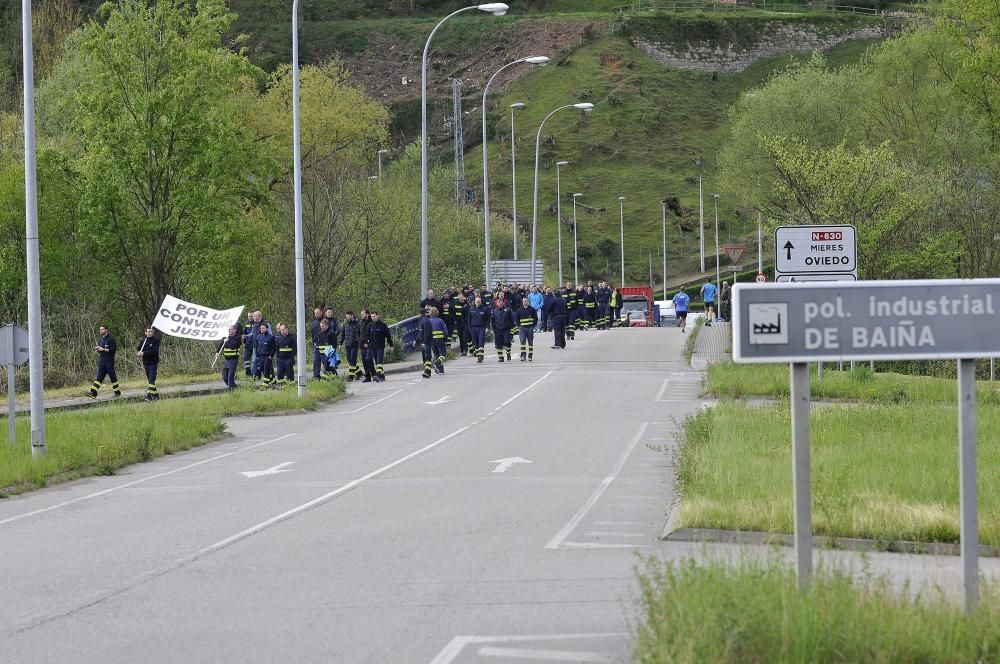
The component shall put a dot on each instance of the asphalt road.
(382, 531)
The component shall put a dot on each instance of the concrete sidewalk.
(136, 395)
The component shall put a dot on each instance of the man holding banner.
(187, 320)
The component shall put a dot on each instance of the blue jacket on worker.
(264, 344)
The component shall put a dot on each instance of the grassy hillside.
(654, 130)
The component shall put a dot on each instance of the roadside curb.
(720, 536)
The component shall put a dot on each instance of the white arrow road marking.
(505, 464)
(273, 470)
(440, 401)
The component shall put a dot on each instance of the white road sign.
(797, 278)
(815, 249)
(13, 345)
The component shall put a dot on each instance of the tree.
(168, 169)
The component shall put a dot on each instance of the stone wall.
(780, 39)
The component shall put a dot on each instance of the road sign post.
(13, 352)
(866, 321)
(815, 253)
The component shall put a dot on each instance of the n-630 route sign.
(816, 249)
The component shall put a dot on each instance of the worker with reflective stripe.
(379, 335)
(479, 318)
(230, 349)
(264, 350)
(503, 320)
(603, 297)
(324, 340)
(285, 345)
(527, 318)
(439, 336)
(106, 349)
(569, 294)
(426, 339)
(460, 330)
(149, 353)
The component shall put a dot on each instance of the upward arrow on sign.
(788, 250)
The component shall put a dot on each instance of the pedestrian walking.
(379, 335)
(557, 313)
(350, 337)
(106, 348)
(479, 319)
(681, 302)
(285, 348)
(503, 320)
(708, 295)
(230, 349)
(149, 353)
(366, 360)
(264, 348)
(527, 318)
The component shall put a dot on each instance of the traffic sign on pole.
(761, 278)
(13, 352)
(873, 320)
(816, 250)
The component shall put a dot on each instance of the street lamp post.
(300, 290)
(559, 216)
(760, 246)
(621, 217)
(513, 171)
(380, 153)
(701, 223)
(533, 60)
(664, 203)
(586, 107)
(576, 257)
(497, 9)
(718, 277)
(35, 375)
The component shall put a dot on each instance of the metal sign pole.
(802, 497)
(969, 537)
(819, 371)
(11, 424)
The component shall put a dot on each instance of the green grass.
(692, 341)
(726, 379)
(753, 612)
(100, 440)
(886, 473)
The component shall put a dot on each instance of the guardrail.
(707, 5)
(408, 332)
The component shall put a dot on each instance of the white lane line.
(369, 405)
(587, 506)
(617, 523)
(544, 655)
(457, 644)
(663, 388)
(221, 544)
(104, 492)
(601, 545)
(522, 392)
(609, 534)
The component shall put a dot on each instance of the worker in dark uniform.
(324, 341)
(503, 320)
(603, 296)
(426, 339)
(379, 335)
(460, 331)
(557, 313)
(590, 307)
(569, 294)
(446, 313)
(350, 336)
(313, 335)
(230, 349)
(479, 319)
(487, 296)
(439, 337)
(248, 328)
(149, 353)
(527, 319)
(284, 344)
(264, 348)
(430, 301)
(367, 364)
(106, 349)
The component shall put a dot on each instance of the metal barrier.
(708, 5)
(407, 331)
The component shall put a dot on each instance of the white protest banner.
(193, 321)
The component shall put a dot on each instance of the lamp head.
(584, 106)
(621, 198)
(383, 151)
(537, 60)
(517, 104)
(561, 163)
(715, 195)
(575, 195)
(495, 8)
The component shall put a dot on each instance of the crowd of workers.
(464, 315)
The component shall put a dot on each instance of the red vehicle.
(637, 306)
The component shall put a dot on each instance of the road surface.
(490, 514)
